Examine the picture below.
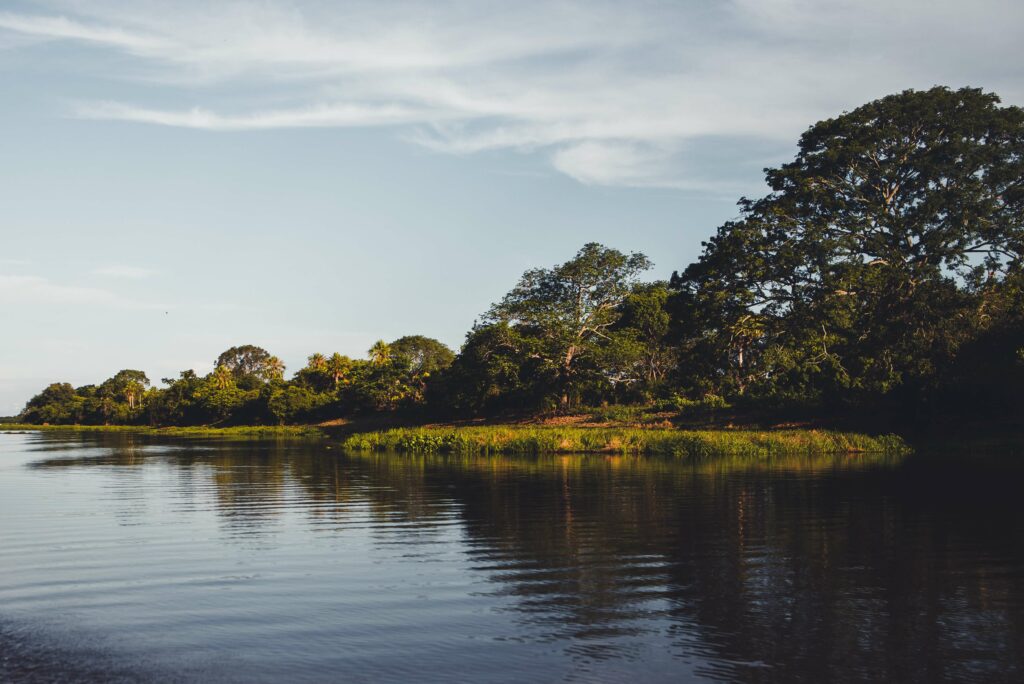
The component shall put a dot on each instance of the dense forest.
(880, 275)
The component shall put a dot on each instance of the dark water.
(124, 558)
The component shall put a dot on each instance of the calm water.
(127, 558)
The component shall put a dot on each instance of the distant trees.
(58, 404)
(127, 386)
(882, 269)
(247, 386)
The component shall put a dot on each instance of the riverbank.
(543, 439)
(643, 441)
(304, 431)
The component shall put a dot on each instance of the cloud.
(316, 116)
(63, 28)
(133, 272)
(610, 93)
(625, 163)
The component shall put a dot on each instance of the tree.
(571, 307)
(274, 369)
(642, 331)
(57, 404)
(250, 365)
(868, 263)
(380, 353)
(315, 375)
(218, 401)
(498, 368)
(423, 354)
(291, 403)
(178, 403)
(339, 367)
(127, 385)
(222, 377)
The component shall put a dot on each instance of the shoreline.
(304, 431)
(519, 439)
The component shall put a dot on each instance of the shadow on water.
(795, 569)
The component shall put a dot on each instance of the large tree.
(57, 404)
(127, 385)
(571, 307)
(423, 354)
(870, 259)
(250, 365)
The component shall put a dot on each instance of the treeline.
(881, 273)
(247, 387)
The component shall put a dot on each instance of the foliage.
(569, 310)
(872, 260)
(422, 355)
(882, 272)
(57, 404)
(250, 365)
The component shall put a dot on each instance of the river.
(126, 557)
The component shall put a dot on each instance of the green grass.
(655, 442)
(198, 431)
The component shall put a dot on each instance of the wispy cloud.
(59, 27)
(315, 116)
(610, 93)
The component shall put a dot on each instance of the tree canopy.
(882, 270)
(570, 308)
(875, 252)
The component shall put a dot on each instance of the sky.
(180, 177)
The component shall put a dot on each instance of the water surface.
(126, 558)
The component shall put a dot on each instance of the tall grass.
(660, 442)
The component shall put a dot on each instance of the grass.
(198, 431)
(654, 442)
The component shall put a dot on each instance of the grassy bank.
(535, 439)
(198, 431)
(659, 442)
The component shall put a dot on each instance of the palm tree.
(317, 362)
(338, 367)
(380, 353)
(275, 368)
(222, 377)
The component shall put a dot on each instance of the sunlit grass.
(655, 442)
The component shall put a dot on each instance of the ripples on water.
(125, 558)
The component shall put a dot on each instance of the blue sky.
(178, 177)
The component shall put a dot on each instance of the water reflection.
(817, 569)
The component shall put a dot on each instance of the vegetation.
(882, 274)
(192, 431)
(659, 442)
